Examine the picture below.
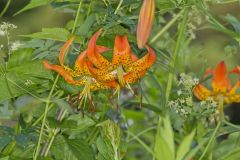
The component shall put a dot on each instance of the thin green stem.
(95, 131)
(231, 125)
(44, 118)
(211, 140)
(5, 8)
(41, 117)
(60, 117)
(55, 131)
(142, 143)
(14, 83)
(180, 40)
(77, 16)
(118, 7)
(166, 27)
(141, 133)
(50, 95)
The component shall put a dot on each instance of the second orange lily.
(222, 90)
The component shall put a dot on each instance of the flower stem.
(76, 18)
(180, 40)
(118, 7)
(165, 28)
(50, 95)
(44, 118)
(5, 8)
(211, 140)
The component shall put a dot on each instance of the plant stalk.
(180, 40)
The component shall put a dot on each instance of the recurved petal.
(93, 53)
(145, 62)
(220, 80)
(201, 92)
(80, 64)
(133, 77)
(121, 52)
(235, 70)
(145, 22)
(64, 49)
(60, 70)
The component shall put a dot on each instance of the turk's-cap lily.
(145, 22)
(221, 90)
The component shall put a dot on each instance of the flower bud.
(145, 22)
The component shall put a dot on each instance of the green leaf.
(5, 158)
(34, 4)
(86, 26)
(108, 143)
(71, 149)
(105, 149)
(185, 146)
(233, 155)
(82, 123)
(58, 34)
(4, 140)
(164, 146)
(19, 57)
(80, 149)
(234, 22)
(21, 69)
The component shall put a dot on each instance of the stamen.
(90, 105)
(130, 88)
(71, 102)
(120, 74)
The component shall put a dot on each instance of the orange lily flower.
(222, 91)
(80, 75)
(125, 67)
(145, 22)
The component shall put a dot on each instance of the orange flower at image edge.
(221, 88)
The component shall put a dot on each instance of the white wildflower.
(189, 101)
(179, 92)
(15, 45)
(28, 82)
(2, 33)
(6, 27)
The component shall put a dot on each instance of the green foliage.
(57, 34)
(36, 112)
(164, 147)
(71, 149)
(109, 141)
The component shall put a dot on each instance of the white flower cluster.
(180, 104)
(28, 82)
(184, 104)
(6, 27)
(15, 45)
(196, 19)
(1, 47)
(187, 81)
(209, 104)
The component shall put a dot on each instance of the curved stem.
(211, 140)
(166, 27)
(5, 8)
(118, 7)
(176, 51)
(44, 118)
(50, 95)
(76, 18)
